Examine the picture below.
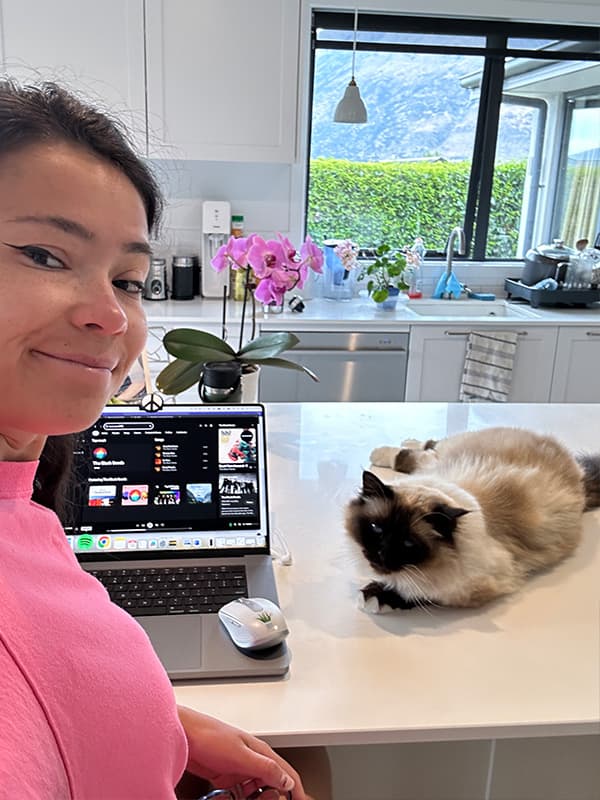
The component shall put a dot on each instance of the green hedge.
(395, 202)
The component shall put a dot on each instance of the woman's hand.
(226, 755)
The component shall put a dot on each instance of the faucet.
(462, 248)
(448, 286)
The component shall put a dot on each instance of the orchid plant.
(278, 268)
(276, 264)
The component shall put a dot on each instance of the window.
(491, 126)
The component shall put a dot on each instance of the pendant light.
(351, 107)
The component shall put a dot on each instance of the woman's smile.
(105, 364)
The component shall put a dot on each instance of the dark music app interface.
(170, 481)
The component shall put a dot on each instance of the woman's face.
(73, 257)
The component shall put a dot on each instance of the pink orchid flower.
(312, 255)
(222, 257)
(268, 292)
(234, 254)
(240, 249)
(264, 257)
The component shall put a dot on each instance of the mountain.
(416, 108)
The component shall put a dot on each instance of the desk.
(526, 666)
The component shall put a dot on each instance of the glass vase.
(272, 308)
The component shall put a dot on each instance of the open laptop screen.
(182, 480)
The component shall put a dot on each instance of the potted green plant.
(385, 275)
(194, 349)
(276, 268)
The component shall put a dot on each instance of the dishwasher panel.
(352, 367)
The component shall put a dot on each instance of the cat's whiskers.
(420, 598)
(426, 594)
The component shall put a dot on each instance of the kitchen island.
(526, 667)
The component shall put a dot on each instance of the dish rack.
(550, 297)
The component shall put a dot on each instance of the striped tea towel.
(487, 373)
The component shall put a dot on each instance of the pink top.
(86, 709)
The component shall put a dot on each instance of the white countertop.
(525, 666)
(360, 314)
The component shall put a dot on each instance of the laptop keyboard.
(173, 590)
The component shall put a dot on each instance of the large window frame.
(497, 49)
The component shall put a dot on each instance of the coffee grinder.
(216, 228)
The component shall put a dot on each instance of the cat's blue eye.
(376, 528)
(408, 543)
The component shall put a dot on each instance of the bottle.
(238, 276)
(415, 287)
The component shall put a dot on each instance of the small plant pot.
(389, 304)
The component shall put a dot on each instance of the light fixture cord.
(354, 41)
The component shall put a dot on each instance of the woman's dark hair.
(46, 114)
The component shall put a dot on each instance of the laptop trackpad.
(177, 641)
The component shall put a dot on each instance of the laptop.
(171, 515)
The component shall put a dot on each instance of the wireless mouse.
(253, 623)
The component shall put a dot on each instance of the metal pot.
(544, 260)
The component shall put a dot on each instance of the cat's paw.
(370, 599)
(383, 456)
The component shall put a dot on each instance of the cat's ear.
(373, 487)
(443, 519)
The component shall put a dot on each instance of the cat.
(468, 517)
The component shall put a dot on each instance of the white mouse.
(253, 623)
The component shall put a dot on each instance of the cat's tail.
(591, 479)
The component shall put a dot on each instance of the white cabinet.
(437, 353)
(96, 49)
(577, 367)
(222, 79)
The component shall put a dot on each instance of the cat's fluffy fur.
(468, 518)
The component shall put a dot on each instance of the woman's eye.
(129, 286)
(40, 256)
(376, 528)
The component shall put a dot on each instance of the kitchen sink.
(468, 309)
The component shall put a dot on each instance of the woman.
(86, 709)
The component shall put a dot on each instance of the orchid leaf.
(267, 345)
(197, 346)
(178, 376)
(283, 362)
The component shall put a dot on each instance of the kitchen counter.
(525, 666)
(361, 314)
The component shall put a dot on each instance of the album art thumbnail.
(169, 495)
(237, 483)
(135, 494)
(102, 496)
(199, 492)
(237, 446)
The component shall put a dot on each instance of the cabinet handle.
(519, 333)
(592, 333)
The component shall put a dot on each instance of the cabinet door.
(437, 354)
(576, 372)
(222, 79)
(96, 49)
(435, 361)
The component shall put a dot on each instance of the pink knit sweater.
(86, 709)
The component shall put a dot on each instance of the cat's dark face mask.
(393, 534)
